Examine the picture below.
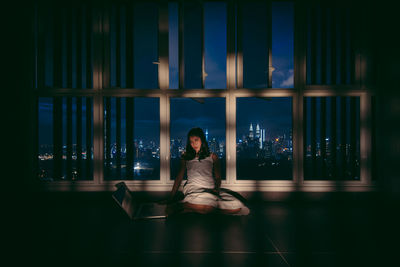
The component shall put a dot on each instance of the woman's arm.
(217, 171)
(178, 179)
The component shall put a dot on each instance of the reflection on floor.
(90, 228)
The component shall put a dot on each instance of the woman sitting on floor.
(201, 191)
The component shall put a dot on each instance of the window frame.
(300, 90)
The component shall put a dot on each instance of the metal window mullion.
(239, 56)
(231, 174)
(104, 54)
(163, 46)
(57, 138)
(313, 134)
(349, 47)
(68, 26)
(323, 45)
(202, 34)
(107, 135)
(333, 140)
(35, 51)
(365, 138)
(343, 67)
(130, 146)
(164, 139)
(89, 42)
(333, 45)
(79, 137)
(297, 138)
(41, 47)
(129, 46)
(313, 43)
(118, 127)
(231, 86)
(269, 29)
(230, 45)
(79, 48)
(181, 45)
(118, 45)
(323, 137)
(357, 40)
(343, 131)
(300, 75)
(34, 125)
(98, 144)
(57, 79)
(69, 139)
(100, 27)
(89, 137)
(353, 132)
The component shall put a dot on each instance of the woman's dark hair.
(190, 152)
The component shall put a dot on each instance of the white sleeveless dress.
(199, 180)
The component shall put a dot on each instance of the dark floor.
(89, 228)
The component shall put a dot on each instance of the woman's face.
(195, 142)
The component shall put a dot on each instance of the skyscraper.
(258, 131)
(251, 134)
(262, 138)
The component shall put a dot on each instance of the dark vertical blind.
(330, 49)
(63, 46)
(332, 138)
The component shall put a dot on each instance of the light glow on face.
(195, 142)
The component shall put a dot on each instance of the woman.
(202, 192)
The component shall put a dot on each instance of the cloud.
(289, 81)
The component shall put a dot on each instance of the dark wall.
(17, 60)
(387, 56)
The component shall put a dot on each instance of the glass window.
(254, 41)
(215, 45)
(192, 44)
(63, 47)
(65, 150)
(282, 44)
(145, 43)
(264, 148)
(206, 113)
(332, 138)
(330, 48)
(131, 138)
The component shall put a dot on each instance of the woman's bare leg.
(203, 209)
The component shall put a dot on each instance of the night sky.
(273, 115)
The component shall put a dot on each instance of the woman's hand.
(215, 190)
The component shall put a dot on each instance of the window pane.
(131, 138)
(264, 146)
(192, 44)
(215, 45)
(65, 128)
(255, 44)
(282, 44)
(332, 138)
(63, 46)
(145, 34)
(330, 48)
(206, 113)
